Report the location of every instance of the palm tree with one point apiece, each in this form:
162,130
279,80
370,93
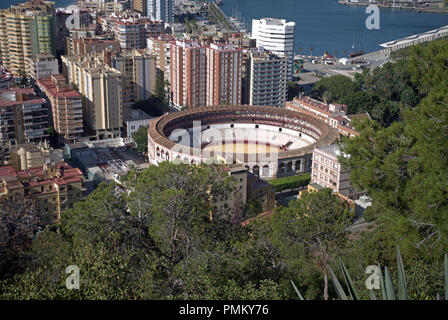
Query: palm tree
300,50
336,52
344,52
311,51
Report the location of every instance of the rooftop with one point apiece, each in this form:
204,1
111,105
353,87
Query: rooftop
40,176
276,22
56,86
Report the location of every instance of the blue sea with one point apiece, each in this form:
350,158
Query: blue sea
327,25
324,24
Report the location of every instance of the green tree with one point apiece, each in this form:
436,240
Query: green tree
19,222
172,228
333,89
317,220
140,138
252,208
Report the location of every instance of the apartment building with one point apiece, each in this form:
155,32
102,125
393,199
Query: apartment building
42,65
188,74
277,36
88,32
65,20
140,6
223,63
268,80
108,7
132,31
23,117
204,75
139,74
92,46
26,29
27,156
161,10
329,173
66,106
101,89
160,47
53,188
242,41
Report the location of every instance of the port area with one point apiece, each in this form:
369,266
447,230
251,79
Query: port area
433,6
319,67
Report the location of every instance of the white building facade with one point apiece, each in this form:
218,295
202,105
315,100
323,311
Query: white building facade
277,36
161,10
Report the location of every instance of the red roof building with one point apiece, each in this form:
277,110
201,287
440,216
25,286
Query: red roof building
52,188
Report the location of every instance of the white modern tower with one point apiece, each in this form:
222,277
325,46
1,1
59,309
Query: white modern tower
161,10
277,36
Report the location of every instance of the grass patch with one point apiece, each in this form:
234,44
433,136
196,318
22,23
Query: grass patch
292,182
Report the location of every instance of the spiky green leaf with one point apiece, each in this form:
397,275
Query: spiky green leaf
297,291
390,292
372,294
337,285
383,286
348,281
402,290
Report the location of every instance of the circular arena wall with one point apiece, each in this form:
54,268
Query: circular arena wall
270,142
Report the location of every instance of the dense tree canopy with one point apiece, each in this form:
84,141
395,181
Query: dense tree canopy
171,231
404,167
383,92
19,222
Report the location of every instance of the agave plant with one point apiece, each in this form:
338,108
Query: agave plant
387,288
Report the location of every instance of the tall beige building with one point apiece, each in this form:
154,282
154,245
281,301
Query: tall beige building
160,47
101,89
139,74
26,29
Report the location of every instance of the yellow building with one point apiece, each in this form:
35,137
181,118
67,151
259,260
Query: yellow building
101,89
52,188
27,156
26,29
